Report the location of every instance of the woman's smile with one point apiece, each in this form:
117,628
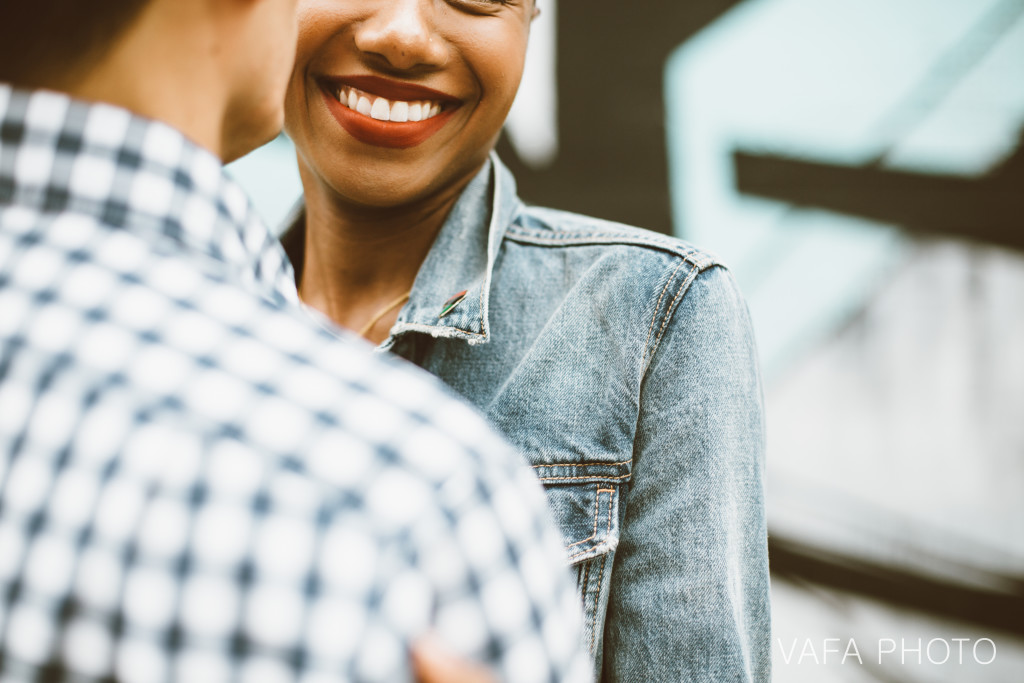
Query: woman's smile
394,103
387,113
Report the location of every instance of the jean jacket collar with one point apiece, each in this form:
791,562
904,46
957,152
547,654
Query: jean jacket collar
462,260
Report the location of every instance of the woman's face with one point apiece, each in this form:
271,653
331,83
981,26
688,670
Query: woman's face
392,101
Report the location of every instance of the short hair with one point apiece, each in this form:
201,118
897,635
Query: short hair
47,42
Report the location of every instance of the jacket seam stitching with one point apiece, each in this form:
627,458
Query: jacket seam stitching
600,545
597,510
584,464
593,476
693,255
657,307
685,286
669,311
597,238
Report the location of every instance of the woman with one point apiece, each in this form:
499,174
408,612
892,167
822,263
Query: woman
619,361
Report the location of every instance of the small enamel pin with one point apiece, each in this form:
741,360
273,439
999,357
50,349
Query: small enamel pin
450,305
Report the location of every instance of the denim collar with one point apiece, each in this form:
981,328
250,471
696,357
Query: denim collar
462,259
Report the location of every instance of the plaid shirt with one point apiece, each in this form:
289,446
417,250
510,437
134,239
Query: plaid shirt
197,481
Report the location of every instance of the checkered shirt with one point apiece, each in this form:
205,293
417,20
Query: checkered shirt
200,483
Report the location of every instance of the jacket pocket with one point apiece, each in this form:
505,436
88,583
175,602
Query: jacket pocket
588,518
588,515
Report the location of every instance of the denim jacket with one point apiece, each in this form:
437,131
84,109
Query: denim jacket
621,363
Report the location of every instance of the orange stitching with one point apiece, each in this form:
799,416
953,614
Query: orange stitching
657,306
597,509
584,552
584,464
593,476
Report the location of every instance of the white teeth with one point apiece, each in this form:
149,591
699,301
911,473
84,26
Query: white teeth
385,110
428,110
399,111
381,110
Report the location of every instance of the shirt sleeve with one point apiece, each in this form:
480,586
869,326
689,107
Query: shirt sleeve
513,604
475,562
689,598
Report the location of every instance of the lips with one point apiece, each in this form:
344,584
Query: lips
386,113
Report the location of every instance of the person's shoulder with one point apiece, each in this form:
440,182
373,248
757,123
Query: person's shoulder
665,281
557,228
647,264
224,362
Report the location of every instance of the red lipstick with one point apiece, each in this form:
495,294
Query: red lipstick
393,134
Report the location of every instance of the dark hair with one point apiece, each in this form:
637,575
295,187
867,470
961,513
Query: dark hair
47,42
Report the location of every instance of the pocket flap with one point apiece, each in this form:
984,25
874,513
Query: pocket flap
588,516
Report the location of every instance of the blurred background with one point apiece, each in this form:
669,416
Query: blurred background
859,164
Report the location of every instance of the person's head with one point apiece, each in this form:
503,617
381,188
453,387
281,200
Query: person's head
48,43
217,69
455,63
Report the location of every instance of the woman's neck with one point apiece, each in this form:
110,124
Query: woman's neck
358,259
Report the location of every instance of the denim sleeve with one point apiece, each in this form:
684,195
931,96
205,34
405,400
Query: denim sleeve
689,597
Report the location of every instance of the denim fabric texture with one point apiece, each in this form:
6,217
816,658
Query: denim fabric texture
622,363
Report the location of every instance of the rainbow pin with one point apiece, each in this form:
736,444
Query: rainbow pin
450,305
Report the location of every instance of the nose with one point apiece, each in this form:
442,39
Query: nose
403,34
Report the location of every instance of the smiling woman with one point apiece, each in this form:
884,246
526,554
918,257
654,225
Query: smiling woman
619,361
411,115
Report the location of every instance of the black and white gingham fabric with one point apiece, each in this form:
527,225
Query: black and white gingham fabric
198,483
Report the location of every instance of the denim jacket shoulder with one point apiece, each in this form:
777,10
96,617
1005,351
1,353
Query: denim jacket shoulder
636,262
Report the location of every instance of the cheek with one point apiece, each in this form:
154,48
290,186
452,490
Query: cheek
498,59
287,60
307,33
310,35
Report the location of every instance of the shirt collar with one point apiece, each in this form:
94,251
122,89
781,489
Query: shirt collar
60,155
462,260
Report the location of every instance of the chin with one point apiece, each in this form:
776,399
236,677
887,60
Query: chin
410,183
371,192
250,131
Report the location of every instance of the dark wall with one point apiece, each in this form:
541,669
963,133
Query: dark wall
611,60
